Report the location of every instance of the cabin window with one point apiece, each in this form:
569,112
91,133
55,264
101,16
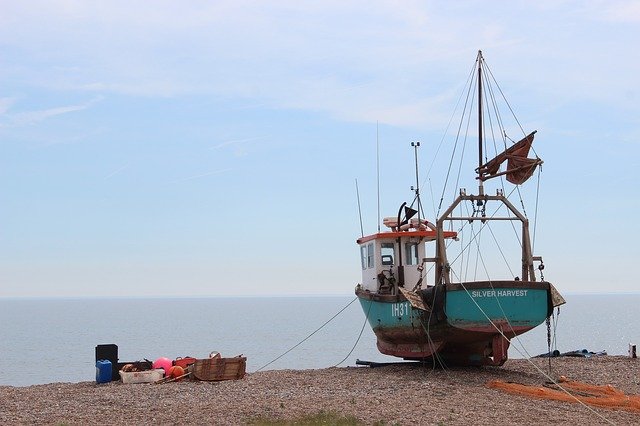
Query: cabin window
363,257
370,255
387,252
411,253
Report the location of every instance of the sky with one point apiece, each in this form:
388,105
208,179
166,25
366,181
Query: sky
211,148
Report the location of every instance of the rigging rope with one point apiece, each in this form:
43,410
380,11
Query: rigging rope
475,238
548,376
482,226
535,214
444,187
433,205
486,67
462,237
435,355
432,346
475,235
366,318
522,352
500,250
555,318
503,135
306,338
548,321
444,135
504,315
464,146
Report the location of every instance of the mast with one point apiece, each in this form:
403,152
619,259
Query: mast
378,171
480,186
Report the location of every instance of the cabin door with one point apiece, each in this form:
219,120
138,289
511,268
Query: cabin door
411,254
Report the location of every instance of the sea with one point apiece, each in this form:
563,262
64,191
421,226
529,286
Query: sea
53,340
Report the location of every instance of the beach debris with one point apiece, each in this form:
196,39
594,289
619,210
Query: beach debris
578,353
603,396
110,352
375,364
165,370
214,368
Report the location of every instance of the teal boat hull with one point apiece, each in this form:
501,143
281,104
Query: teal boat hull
468,323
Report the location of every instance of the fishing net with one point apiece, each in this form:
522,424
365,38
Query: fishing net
604,396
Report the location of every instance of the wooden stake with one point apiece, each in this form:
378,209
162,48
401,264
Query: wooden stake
171,379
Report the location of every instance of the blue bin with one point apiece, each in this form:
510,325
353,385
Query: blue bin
103,371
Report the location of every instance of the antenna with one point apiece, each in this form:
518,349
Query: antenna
378,172
415,146
359,209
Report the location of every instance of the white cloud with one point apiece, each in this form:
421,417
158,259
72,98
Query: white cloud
618,11
355,60
5,104
32,117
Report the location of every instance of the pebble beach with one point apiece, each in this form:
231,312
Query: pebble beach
399,394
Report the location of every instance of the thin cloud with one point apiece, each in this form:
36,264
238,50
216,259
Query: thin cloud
236,141
5,104
214,172
116,171
33,117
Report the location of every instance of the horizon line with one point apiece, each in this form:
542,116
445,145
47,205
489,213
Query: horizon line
242,296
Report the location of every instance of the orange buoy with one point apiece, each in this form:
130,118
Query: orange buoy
176,371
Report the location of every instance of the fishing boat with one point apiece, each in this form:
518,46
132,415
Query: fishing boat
424,303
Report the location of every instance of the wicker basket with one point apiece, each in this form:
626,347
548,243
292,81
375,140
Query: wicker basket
217,368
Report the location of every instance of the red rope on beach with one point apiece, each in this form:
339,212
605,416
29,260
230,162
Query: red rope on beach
603,396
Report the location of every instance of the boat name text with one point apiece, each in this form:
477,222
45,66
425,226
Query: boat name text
498,293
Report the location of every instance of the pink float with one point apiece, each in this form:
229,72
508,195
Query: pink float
164,363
